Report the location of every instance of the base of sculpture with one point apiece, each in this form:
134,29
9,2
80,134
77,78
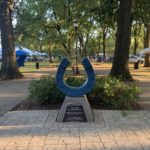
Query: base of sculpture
75,109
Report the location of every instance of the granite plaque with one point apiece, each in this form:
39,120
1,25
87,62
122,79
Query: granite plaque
74,113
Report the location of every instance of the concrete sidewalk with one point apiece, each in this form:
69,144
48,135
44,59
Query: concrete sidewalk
12,93
112,130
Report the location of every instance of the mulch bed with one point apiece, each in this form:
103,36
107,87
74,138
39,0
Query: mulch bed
28,105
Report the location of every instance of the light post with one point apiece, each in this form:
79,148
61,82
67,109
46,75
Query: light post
76,52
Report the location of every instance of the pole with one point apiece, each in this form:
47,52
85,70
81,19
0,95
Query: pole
76,50
77,69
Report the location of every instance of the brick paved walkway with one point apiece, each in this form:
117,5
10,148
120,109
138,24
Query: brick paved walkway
112,130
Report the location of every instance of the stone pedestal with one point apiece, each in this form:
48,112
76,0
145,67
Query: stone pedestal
75,109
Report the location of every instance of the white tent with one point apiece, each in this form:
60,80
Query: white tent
145,51
21,48
44,54
37,53
30,52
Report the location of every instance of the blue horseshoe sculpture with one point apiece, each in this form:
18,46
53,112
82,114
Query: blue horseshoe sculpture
75,91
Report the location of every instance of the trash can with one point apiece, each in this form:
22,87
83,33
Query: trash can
136,65
37,65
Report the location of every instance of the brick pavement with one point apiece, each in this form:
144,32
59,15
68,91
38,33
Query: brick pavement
112,130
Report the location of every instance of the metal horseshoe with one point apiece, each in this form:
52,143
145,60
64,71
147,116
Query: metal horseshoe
75,91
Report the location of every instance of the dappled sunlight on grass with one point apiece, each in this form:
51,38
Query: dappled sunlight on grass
101,69
30,71
31,66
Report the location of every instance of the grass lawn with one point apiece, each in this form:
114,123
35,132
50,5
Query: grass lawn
142,74
30,67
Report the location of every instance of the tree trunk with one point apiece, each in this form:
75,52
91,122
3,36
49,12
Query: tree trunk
50,55
120,67
135,40
135,45
147,44
135,28
9,69
104,44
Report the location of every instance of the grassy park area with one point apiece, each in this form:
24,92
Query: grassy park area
31,66
140,76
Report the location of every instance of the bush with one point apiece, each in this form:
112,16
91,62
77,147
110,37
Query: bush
75,81
108,93
45,90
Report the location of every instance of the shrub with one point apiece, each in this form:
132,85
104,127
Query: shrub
75,81
108,92
45,90
111,93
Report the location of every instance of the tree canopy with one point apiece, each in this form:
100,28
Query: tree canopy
49,26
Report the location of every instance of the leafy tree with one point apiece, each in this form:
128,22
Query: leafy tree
146,21
137,35
120,66
105,15
40,20
141,12
137,26
9,68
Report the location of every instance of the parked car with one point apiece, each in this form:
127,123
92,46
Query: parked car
110,59
134,59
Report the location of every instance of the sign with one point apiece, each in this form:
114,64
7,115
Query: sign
74,113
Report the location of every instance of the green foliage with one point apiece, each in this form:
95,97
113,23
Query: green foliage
44,90
72,81
111,93
48,25
141,10
108,93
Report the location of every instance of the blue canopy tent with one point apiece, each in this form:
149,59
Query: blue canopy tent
22,53
20,57
28,51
